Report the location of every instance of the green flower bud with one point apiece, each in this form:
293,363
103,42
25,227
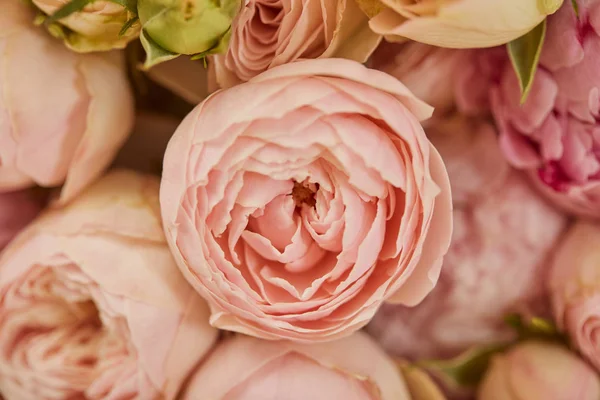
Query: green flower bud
96,26
188,26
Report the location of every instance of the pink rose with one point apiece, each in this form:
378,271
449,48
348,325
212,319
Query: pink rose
554,135
428,71
503,235
539,371
244,368
92,304
17,209
574,284
298,202
268,33
63,115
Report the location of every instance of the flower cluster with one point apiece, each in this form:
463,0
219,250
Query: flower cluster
299,199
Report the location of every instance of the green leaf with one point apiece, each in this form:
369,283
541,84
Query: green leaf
68,9
575,7
524,54
130,5
535,329
466,370
154,53
127,25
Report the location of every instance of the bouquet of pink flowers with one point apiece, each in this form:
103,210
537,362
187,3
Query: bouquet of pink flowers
299,199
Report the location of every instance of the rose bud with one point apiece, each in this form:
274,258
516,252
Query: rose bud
17,209
554,134
428,71
98,26
503,235
574,284
188,26
298,202
92,304
539,371
70,117
268,33
245,368
461,23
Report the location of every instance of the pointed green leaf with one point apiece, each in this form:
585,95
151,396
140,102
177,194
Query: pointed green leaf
68,9
524,54
127,25
154,53
575,7
466,370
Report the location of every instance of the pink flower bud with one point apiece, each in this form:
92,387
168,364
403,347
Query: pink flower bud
539,371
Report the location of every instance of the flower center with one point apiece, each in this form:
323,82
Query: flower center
304,193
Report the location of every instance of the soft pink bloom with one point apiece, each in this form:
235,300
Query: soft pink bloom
298,202
539,371
245,368
428,71
555,134
17,209
268,33
92,304
575,287
63,115
503,235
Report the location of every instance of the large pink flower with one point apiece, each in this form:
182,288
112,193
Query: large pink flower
298,202
17,209
353,368
92,304
555,134
503,235
63,115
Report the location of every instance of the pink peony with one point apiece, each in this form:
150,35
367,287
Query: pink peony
575,287
555,134
428,71
503,234
353,368
539,371
298,202
63,115
268,33
92,304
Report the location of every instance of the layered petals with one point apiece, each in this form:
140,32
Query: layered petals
298,202
268,33
554,135
92,305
